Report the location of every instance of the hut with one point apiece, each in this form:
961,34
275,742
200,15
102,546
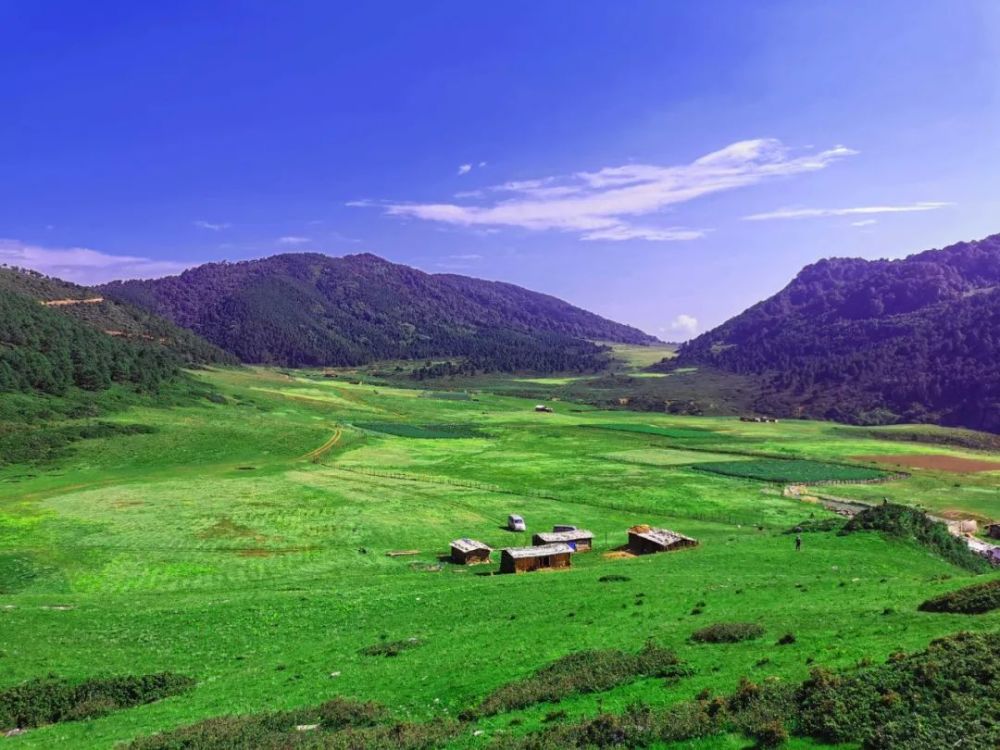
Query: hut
469,552
580,540
527,559
515,523
993,531
644,540
543,409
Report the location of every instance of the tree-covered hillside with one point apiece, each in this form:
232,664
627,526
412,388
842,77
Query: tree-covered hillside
916,339
311,309
111,317
42,350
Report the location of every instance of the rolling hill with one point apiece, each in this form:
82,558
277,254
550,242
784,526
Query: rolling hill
313,310
874,342
116,319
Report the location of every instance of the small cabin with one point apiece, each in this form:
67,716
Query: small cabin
993,531
515,523
646,540
543,408
528,559
469,552
580,540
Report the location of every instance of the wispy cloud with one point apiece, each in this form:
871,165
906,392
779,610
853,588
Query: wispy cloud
293,240
83,265
600,205
464,169
864,223
809,213
214,226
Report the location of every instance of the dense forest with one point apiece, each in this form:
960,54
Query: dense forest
118,319
874,342
311,310
42,350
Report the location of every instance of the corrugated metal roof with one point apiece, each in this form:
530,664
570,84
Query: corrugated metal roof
552,537
468,545
540,551
665,537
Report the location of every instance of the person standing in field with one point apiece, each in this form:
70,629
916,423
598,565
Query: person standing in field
798,542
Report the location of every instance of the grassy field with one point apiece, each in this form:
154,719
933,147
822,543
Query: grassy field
243,543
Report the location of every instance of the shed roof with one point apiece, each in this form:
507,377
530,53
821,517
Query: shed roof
552,537
665,537
468,545
541,550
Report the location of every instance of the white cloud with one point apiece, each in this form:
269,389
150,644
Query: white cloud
293,240
215,227
864,223
83,265
808,213
481,164
599,205
684,325
464,169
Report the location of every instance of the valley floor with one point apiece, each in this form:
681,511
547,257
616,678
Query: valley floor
244,543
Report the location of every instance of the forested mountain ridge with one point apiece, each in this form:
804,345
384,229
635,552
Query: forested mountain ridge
110,317
308,309
883,341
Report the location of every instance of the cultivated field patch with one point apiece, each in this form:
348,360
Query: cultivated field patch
425,431
933,462
801,471
680,433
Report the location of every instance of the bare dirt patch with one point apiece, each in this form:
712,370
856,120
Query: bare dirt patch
227,528
934,462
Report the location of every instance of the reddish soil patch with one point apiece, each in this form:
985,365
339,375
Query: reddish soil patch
935,462
226,528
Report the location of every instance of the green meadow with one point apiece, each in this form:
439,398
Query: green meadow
242,541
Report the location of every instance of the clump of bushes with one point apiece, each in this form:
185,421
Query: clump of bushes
391,648
582,672
904,522
613,578
815,525
787,639
339,724
728,632
971,600
51,700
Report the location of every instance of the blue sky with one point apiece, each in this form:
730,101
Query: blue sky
666,164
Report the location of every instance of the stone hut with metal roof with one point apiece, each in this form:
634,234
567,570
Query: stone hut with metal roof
580,540
527,559
645,540
469,552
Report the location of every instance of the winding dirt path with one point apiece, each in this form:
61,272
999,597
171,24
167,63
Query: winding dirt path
317,454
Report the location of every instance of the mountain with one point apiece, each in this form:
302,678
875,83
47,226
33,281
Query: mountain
874,342
110,317
307,309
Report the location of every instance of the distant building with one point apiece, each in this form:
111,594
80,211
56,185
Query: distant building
527,559
469,552
515,523
580,540
645,540
543,408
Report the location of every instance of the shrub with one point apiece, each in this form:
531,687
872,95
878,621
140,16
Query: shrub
267,731
904,522
816,525
51,699
583,672
787,639
971,600
392,648
613,578
728,632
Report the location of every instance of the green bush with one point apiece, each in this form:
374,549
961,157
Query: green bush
583,672
904,522
51,700
392,648
971,600
728,632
